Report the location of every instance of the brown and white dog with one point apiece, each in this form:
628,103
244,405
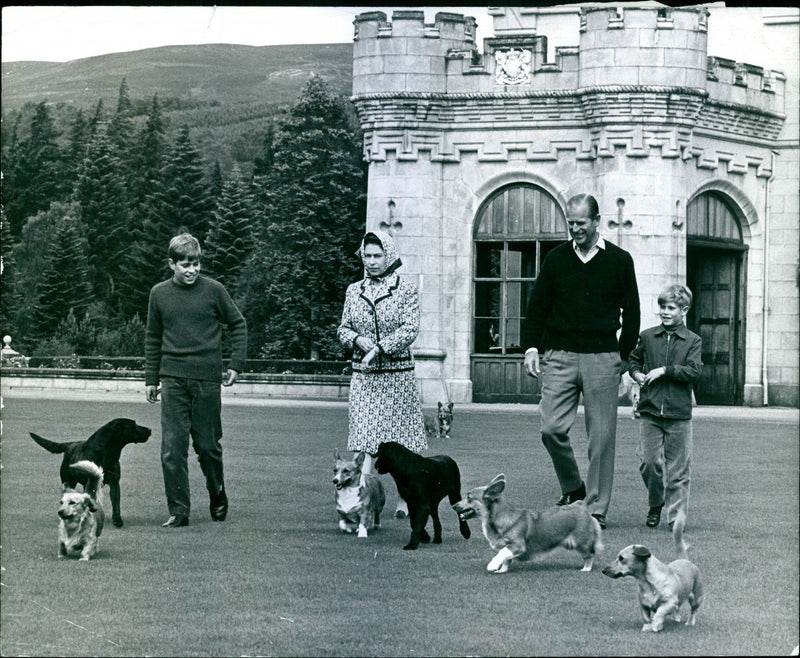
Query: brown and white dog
440,424
520,534
663,588
82,515
359,496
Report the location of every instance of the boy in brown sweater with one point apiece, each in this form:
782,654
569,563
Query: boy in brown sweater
183,351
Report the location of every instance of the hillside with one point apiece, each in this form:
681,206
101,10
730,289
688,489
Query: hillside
223,73
226,94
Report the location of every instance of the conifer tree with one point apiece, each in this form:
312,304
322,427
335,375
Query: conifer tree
179,199
230,238
76,153
9,292
64,282
314,199
120,135
102,195
150,154
35,174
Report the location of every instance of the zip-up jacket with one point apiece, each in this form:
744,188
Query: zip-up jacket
390,320
669,396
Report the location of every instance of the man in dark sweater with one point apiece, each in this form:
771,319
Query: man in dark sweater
183,350
585,292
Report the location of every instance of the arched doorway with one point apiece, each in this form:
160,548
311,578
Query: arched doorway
715,270
514,229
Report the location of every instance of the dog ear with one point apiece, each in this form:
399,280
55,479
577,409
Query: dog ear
496,487
336,454
450,407
642,552
440,406
360,459
89,503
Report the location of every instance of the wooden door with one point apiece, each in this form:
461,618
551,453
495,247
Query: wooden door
713,275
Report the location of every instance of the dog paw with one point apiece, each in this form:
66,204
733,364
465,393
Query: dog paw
410,547
362,532
117,522
425,538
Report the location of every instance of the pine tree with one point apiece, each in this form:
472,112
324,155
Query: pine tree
9,292
76,153
103,199
36,174
64,282
120,135
179,200
149,157
314,199
230,238
217,182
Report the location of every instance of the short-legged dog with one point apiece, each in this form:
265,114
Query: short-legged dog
663,588
103,448
520,534
440,424
422,482
359,496
82,516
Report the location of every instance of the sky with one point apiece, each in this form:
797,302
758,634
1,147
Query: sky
64,33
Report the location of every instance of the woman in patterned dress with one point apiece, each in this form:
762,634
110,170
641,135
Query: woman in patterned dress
379,322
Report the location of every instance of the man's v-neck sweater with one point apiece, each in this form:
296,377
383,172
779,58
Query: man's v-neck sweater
576,306
183,336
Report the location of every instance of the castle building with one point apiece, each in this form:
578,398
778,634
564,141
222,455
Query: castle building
693,158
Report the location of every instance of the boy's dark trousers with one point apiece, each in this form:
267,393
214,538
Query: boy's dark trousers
190,407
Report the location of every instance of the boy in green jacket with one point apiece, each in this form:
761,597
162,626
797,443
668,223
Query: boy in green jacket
665,363
183,351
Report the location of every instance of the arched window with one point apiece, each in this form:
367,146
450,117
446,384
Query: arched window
514,229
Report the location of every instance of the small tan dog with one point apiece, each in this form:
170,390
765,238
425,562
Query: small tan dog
359,496
663,588
520,534
82,515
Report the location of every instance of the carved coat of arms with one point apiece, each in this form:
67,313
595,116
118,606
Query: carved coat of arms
513,66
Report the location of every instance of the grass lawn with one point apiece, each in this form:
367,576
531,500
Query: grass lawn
279,578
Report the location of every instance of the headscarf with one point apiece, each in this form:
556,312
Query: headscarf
390,251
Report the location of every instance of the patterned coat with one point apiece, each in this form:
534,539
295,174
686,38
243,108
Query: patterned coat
387,312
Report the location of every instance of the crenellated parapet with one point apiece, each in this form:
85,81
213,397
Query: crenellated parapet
407,54
639,81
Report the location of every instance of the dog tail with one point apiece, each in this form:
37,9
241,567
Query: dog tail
677,533
50,446
94,481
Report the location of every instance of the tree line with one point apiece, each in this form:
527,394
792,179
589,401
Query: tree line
87,216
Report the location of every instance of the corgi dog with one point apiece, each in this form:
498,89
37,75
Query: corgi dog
663,588
359,496
520,534
440,424
82,516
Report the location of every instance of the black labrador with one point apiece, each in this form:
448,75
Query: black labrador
103,448
422,482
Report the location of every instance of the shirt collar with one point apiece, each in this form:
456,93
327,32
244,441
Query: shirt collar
600,244
680,330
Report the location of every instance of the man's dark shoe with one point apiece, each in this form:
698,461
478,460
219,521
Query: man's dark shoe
601,520
572,496
176,521
654,516
219,506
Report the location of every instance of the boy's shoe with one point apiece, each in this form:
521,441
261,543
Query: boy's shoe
219,506
176,521
654,516
572,496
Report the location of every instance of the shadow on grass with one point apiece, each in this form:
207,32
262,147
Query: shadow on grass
279,578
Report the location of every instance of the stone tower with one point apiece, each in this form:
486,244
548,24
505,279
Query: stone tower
635,113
